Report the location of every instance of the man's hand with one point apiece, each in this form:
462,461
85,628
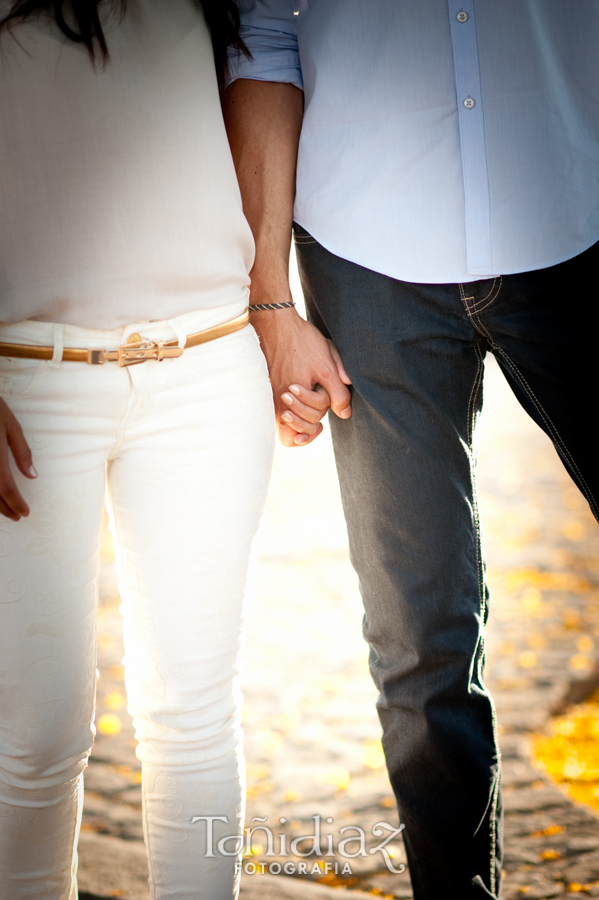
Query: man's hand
306,374
12,504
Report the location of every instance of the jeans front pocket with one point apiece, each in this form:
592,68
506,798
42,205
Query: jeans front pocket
19,376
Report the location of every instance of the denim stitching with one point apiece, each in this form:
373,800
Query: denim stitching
551,428
493,881
482,299
479,564
476,307
475,386
481,328
474,318
483,610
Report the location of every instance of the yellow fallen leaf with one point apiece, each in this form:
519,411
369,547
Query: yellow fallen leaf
116,673
547,832
337,776
527,659
114,700
535,640
571,617
585,643
373,755
108,723
573,530
579,662
531,598
271,741
546,581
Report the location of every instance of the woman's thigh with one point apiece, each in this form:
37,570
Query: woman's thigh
187,492
48,573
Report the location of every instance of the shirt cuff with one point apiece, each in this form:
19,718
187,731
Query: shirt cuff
274,58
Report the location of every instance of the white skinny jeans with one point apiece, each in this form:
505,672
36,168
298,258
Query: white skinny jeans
184,447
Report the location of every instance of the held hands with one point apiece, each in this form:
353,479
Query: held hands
12,504
306,374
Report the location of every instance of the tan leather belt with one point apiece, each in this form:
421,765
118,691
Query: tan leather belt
132,353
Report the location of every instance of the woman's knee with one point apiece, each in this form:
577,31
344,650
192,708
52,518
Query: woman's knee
197,739
49,758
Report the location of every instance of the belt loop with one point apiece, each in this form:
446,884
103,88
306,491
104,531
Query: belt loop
58,346
180,334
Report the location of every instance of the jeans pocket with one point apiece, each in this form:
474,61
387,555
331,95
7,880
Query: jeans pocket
301,236
19,376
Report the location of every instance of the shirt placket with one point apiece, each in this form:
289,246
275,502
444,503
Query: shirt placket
472,136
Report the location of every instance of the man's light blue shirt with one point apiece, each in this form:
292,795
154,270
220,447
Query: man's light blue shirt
443,141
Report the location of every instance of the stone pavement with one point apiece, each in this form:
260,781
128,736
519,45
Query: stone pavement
312,736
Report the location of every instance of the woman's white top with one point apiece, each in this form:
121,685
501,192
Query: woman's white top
118,196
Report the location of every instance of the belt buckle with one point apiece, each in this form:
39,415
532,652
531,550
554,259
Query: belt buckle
136,352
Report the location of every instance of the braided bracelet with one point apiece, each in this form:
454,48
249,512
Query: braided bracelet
259,306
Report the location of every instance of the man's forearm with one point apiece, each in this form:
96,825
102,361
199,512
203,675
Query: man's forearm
264,120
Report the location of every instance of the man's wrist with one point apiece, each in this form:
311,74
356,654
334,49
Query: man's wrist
272,325
271,307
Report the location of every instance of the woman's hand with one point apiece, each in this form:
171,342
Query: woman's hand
12,504
306,408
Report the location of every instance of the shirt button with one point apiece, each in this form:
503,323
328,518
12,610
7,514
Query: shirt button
462,17
468,102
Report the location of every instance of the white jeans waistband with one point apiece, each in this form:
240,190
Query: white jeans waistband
44,334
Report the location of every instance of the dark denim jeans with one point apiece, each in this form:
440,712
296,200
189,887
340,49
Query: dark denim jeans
407,470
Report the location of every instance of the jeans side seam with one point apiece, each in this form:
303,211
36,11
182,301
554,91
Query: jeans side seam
553,432
493,879
475,387
483,612
479,563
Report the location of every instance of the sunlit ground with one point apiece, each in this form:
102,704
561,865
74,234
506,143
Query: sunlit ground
570,753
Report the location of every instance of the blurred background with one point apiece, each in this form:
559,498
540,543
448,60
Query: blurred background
312,734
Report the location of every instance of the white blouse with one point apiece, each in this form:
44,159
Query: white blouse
118,196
